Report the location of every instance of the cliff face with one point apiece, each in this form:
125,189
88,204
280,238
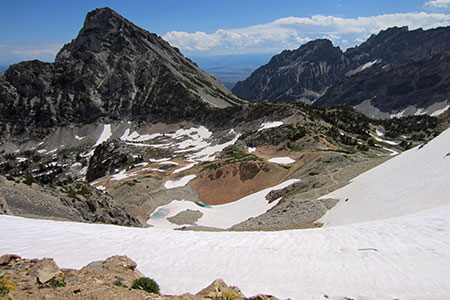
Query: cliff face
111,70
301,74
378,70
393,89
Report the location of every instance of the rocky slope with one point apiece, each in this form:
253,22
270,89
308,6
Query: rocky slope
76,202
424,83
294,75
112,70
372,77
111,278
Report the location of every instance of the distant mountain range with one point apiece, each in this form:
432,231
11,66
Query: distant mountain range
231,68
396,72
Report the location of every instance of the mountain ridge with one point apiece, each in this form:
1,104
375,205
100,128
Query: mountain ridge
388,50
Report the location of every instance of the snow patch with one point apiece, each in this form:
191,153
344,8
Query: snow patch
251,149
136,137
106,134
270,124
440,111
184,168
282,160
121,175
178,183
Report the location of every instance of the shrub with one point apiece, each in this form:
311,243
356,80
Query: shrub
6,286
57,282
146,284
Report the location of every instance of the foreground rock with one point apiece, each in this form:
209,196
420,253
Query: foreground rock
108,279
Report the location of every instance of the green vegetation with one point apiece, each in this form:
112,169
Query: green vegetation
233,154
158,153
146,284
6,286
419,127
57,282
225,296
78,189
28,180
64,152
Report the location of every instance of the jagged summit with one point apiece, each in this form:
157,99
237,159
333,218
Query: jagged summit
112,70
106,30
397,70
295,74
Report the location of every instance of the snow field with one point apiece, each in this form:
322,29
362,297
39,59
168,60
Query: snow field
417,179
220,216
405,258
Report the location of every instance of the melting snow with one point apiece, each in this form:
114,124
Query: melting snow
79,138
169,163
106,134
440,111
121,175
379,133
282,160
142,164
269,124
136,137
178,183
225,215
159,160
184,168
384,141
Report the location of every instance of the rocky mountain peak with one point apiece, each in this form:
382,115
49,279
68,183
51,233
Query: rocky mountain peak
293,75
104,30
112,70
387,34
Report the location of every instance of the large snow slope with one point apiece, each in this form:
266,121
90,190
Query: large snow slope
416,180
404,257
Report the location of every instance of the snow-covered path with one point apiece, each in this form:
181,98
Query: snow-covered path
405,258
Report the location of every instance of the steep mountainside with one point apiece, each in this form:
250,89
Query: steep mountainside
112,70
293,75
368,77
395,88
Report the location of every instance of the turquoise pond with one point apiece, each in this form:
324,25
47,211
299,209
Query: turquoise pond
159,214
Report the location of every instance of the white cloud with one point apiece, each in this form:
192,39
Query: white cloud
291,32
438,4
12,53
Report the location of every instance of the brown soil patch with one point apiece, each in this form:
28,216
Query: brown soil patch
232,182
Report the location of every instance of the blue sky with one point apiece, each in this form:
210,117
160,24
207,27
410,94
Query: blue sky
37,29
